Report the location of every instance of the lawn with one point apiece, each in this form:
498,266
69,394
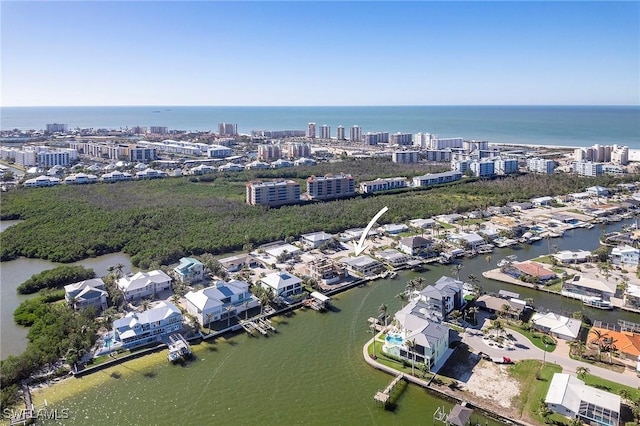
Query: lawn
534,382
392,363
534,337
609,386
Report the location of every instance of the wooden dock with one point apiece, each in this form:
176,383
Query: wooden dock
28,415
260,325
382,397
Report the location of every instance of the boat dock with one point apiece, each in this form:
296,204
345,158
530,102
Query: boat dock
28,414
382,397
178,347
261,325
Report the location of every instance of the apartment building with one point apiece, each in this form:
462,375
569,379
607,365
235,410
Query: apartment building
330,186
404,156
274,193
541,165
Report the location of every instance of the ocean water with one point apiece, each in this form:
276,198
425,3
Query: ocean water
540,125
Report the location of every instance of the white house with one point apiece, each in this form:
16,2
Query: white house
557,325
471,239
625,255
315,239
189,270
144,284
570,397
362,265
152,325
87,293
568,256
393,257
282,283
220,301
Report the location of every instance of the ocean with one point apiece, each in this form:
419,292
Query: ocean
578,126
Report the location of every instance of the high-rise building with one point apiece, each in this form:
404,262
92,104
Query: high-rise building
340,134
506,166
422,140
482,168
325,132
311,130
298,150
442,143
330,186
587,168
227,129
541,165
56,128
401,139
159,130
275,193
269,152
404,156
355,134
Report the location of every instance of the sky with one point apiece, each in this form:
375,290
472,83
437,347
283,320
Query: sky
258,53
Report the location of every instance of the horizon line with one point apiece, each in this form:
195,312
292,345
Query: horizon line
320,106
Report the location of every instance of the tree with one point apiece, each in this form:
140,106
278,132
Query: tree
473,311
577,347
229,309
456,270
209,316
411,345
119,268
582,372
246,309
403,298
598,335
488,259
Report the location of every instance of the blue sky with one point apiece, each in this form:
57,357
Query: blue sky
320,53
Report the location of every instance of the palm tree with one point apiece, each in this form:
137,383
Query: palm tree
578,347
229,308
403,298
119,268
420,283
473,311
382,310
208,317
598,341
456,270
497,327
246,309
582,372
411,344
411,286
488,259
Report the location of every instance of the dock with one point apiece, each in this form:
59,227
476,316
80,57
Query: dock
178,348
28,415
382,397
261,325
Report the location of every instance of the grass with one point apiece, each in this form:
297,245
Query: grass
609,386
534,382
534,337
382,358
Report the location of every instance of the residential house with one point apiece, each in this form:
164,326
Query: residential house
493,304
570,397
598,191
393,257
413,246
236,263
568,256
469,240
315,239
627,342
625,255
531,270
363,265
584,288
222,300
557,325
189,270
631,296
282,283
393,228
152,325
430,338
326,270
144,284
87,293
542,201
443,297
423,223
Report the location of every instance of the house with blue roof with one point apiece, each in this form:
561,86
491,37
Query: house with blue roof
189,270
87,293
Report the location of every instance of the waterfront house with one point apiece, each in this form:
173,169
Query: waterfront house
625,255
189,270
282,283
443,297
570,397
556,325
493,304
584,288
326,270
144,284
393,257
532,270
220,301
152,325
414,245
315,239
568,256
430,339
631,296
363,265
87,293
468,240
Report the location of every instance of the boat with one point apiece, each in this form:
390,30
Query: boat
179,348
597,302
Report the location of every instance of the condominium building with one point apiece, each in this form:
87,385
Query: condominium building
139,154
442,143
541,165
438,155
330,186
355,134
460,165
473,145
227,129
340,134
482,168
298,150
436,178
159,130
375,138
269,152
603,154
404,156
56,128
506,166
587,168
311,130
274,193
383,184
325,132
401,139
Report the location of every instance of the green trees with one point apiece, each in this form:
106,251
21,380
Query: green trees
55,278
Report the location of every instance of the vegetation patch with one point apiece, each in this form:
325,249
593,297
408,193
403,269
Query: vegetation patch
55,278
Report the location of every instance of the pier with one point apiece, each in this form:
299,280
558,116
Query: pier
261,325
382,397
28,415
178,347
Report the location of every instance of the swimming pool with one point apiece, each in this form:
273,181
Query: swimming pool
394,338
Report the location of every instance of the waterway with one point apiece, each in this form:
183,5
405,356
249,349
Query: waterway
310,372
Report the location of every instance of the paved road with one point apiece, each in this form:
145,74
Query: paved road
524,349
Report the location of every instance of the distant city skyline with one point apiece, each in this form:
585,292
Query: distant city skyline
319,53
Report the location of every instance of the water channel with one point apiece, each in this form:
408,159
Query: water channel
310,372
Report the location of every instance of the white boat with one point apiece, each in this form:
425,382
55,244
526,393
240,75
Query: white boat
596,302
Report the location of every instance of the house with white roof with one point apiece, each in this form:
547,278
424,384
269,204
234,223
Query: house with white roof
423,223
220,301
393,229
430,337
471,239
41,181
277,250
557,325
568,256
315,239
144,284
393,257
585,288
87,293
363,265
625,255
152,325
189,270
570,397
282,283
236,263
